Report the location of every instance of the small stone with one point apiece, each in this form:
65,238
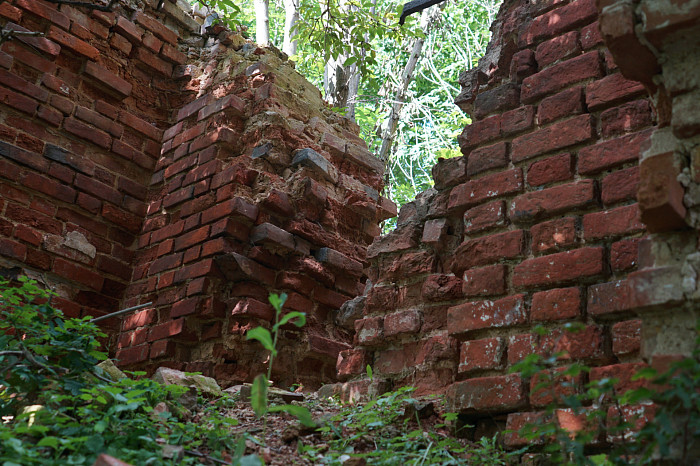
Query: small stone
111,370
173,452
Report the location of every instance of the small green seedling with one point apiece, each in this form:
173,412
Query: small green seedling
258,392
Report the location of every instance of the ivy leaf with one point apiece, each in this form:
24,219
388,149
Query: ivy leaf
300,322
263,336
300,412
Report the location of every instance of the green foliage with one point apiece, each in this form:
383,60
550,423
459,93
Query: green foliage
672,398
380,433
259,390
58,411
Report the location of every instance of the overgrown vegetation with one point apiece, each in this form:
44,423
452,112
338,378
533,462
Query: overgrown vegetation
59,408
657,421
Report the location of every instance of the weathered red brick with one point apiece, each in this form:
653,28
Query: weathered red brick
609,154
46,11
628,117
485,394
486,158
140,125
26,56
564,46
78,273
484,217
562,19
132,355
541,204
586,343
626,337
551,386
108,80
555,137
481,354
557,304
609,298
138,319
441,287
550,170
253,308
522,65
369,330
615,222
402,322
18,101
12,249
517,120
660,193
73,43
129,30
485,281
610,90
12,80
476,191
49,187
623,373
564,104
620,186
480,132
156,27
624,254
559,268
553,235
406,265
351,362
10,12
496,99
488,249
476,315
561,75
520,346
590,36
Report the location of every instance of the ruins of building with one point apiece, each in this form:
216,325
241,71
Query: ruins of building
144,162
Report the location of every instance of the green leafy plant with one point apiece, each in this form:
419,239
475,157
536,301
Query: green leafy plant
268,339
58,408
658,421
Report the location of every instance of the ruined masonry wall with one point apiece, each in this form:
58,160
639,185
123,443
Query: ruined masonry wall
142,161
536,224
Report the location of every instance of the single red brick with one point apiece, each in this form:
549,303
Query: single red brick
12,249
615,222
496,100
586,343
660,193
486,158
517,120
369,330
139,319
628,117
550,170
132,355
173,328
10,12
88,133
609,154
610,90
540,204
626,337
12,80
609,298
522,422
487,250
590,36
522,65
559,268
401,323
620,186
557,304
555,49
484,394
140,125
129,30
555,137
408,264
153,62
476,315
173,55
623,373
485,281
553,235
28,57
441,287
46,11
157,27
561,75
351,362
624,254
551,386
50,187
97,189
562,19
73,43
108,80
480,132
484,217
78,273
481,354
18,101
564,104
395,361
476,191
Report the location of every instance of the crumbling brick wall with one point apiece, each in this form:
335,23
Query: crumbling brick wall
536,224
143,161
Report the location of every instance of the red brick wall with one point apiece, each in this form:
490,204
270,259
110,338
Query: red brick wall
128,176
536,224
80,135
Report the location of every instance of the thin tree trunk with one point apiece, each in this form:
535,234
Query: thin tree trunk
428,19
262,22
291,16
